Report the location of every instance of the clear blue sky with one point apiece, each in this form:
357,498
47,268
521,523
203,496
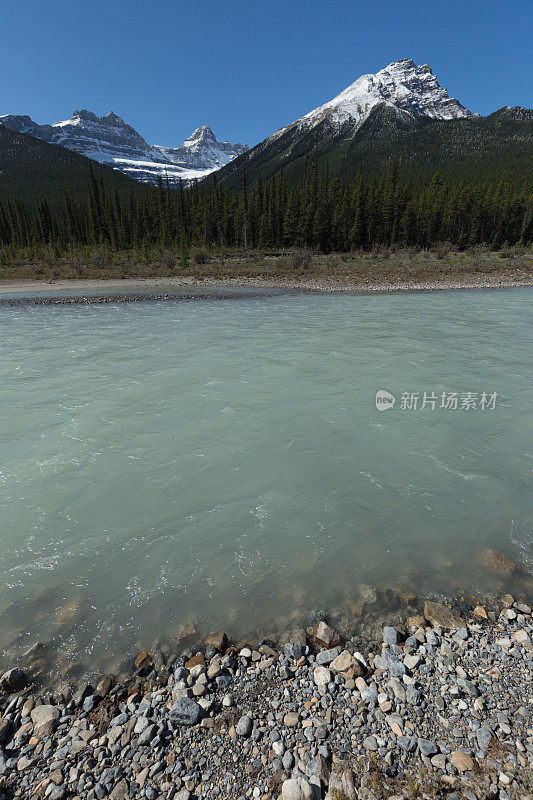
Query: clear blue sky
247,68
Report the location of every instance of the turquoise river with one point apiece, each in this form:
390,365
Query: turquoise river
220,462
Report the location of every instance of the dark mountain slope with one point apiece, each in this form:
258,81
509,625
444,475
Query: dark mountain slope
31,169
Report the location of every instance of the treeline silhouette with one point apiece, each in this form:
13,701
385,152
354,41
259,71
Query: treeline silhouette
317,211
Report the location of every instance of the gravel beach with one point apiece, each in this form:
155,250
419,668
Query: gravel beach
439,708
474,280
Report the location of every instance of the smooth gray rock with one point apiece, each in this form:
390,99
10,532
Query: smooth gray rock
287,761
406,744
468,687
412,696
370,695
325,657
44,714
427,747
147,735
244,726
90,702
185,711
369,743
296,789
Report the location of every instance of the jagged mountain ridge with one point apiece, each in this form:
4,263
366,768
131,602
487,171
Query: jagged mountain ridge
110,140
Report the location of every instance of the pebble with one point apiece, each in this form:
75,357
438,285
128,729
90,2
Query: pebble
244,726
321,676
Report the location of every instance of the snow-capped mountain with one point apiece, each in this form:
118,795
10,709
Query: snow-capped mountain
403,85
391,113
112,141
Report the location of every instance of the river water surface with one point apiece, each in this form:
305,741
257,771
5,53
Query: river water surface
222,462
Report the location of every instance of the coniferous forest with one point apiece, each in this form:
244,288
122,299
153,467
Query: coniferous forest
316,211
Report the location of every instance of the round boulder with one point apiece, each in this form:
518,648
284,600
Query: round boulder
185,712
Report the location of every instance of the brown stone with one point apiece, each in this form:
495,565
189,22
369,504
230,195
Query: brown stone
480,612
291,719
104,685
43,716
497,562
323,771
13,680
197,660
416,621
343,662
395,728
121,791
440,615
368,593
322,635
267,651
358,669
407,596
142,659
449,779
56,777
461,761
218,640
44,730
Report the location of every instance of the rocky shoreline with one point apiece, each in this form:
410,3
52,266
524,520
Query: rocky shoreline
441,707
111,299
330,283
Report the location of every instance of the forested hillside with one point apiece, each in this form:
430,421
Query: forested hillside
316,211
471,148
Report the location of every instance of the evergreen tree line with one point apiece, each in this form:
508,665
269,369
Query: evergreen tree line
319,212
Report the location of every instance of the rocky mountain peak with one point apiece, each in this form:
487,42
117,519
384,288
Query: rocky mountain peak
114,119
201,134
402,84
85,115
